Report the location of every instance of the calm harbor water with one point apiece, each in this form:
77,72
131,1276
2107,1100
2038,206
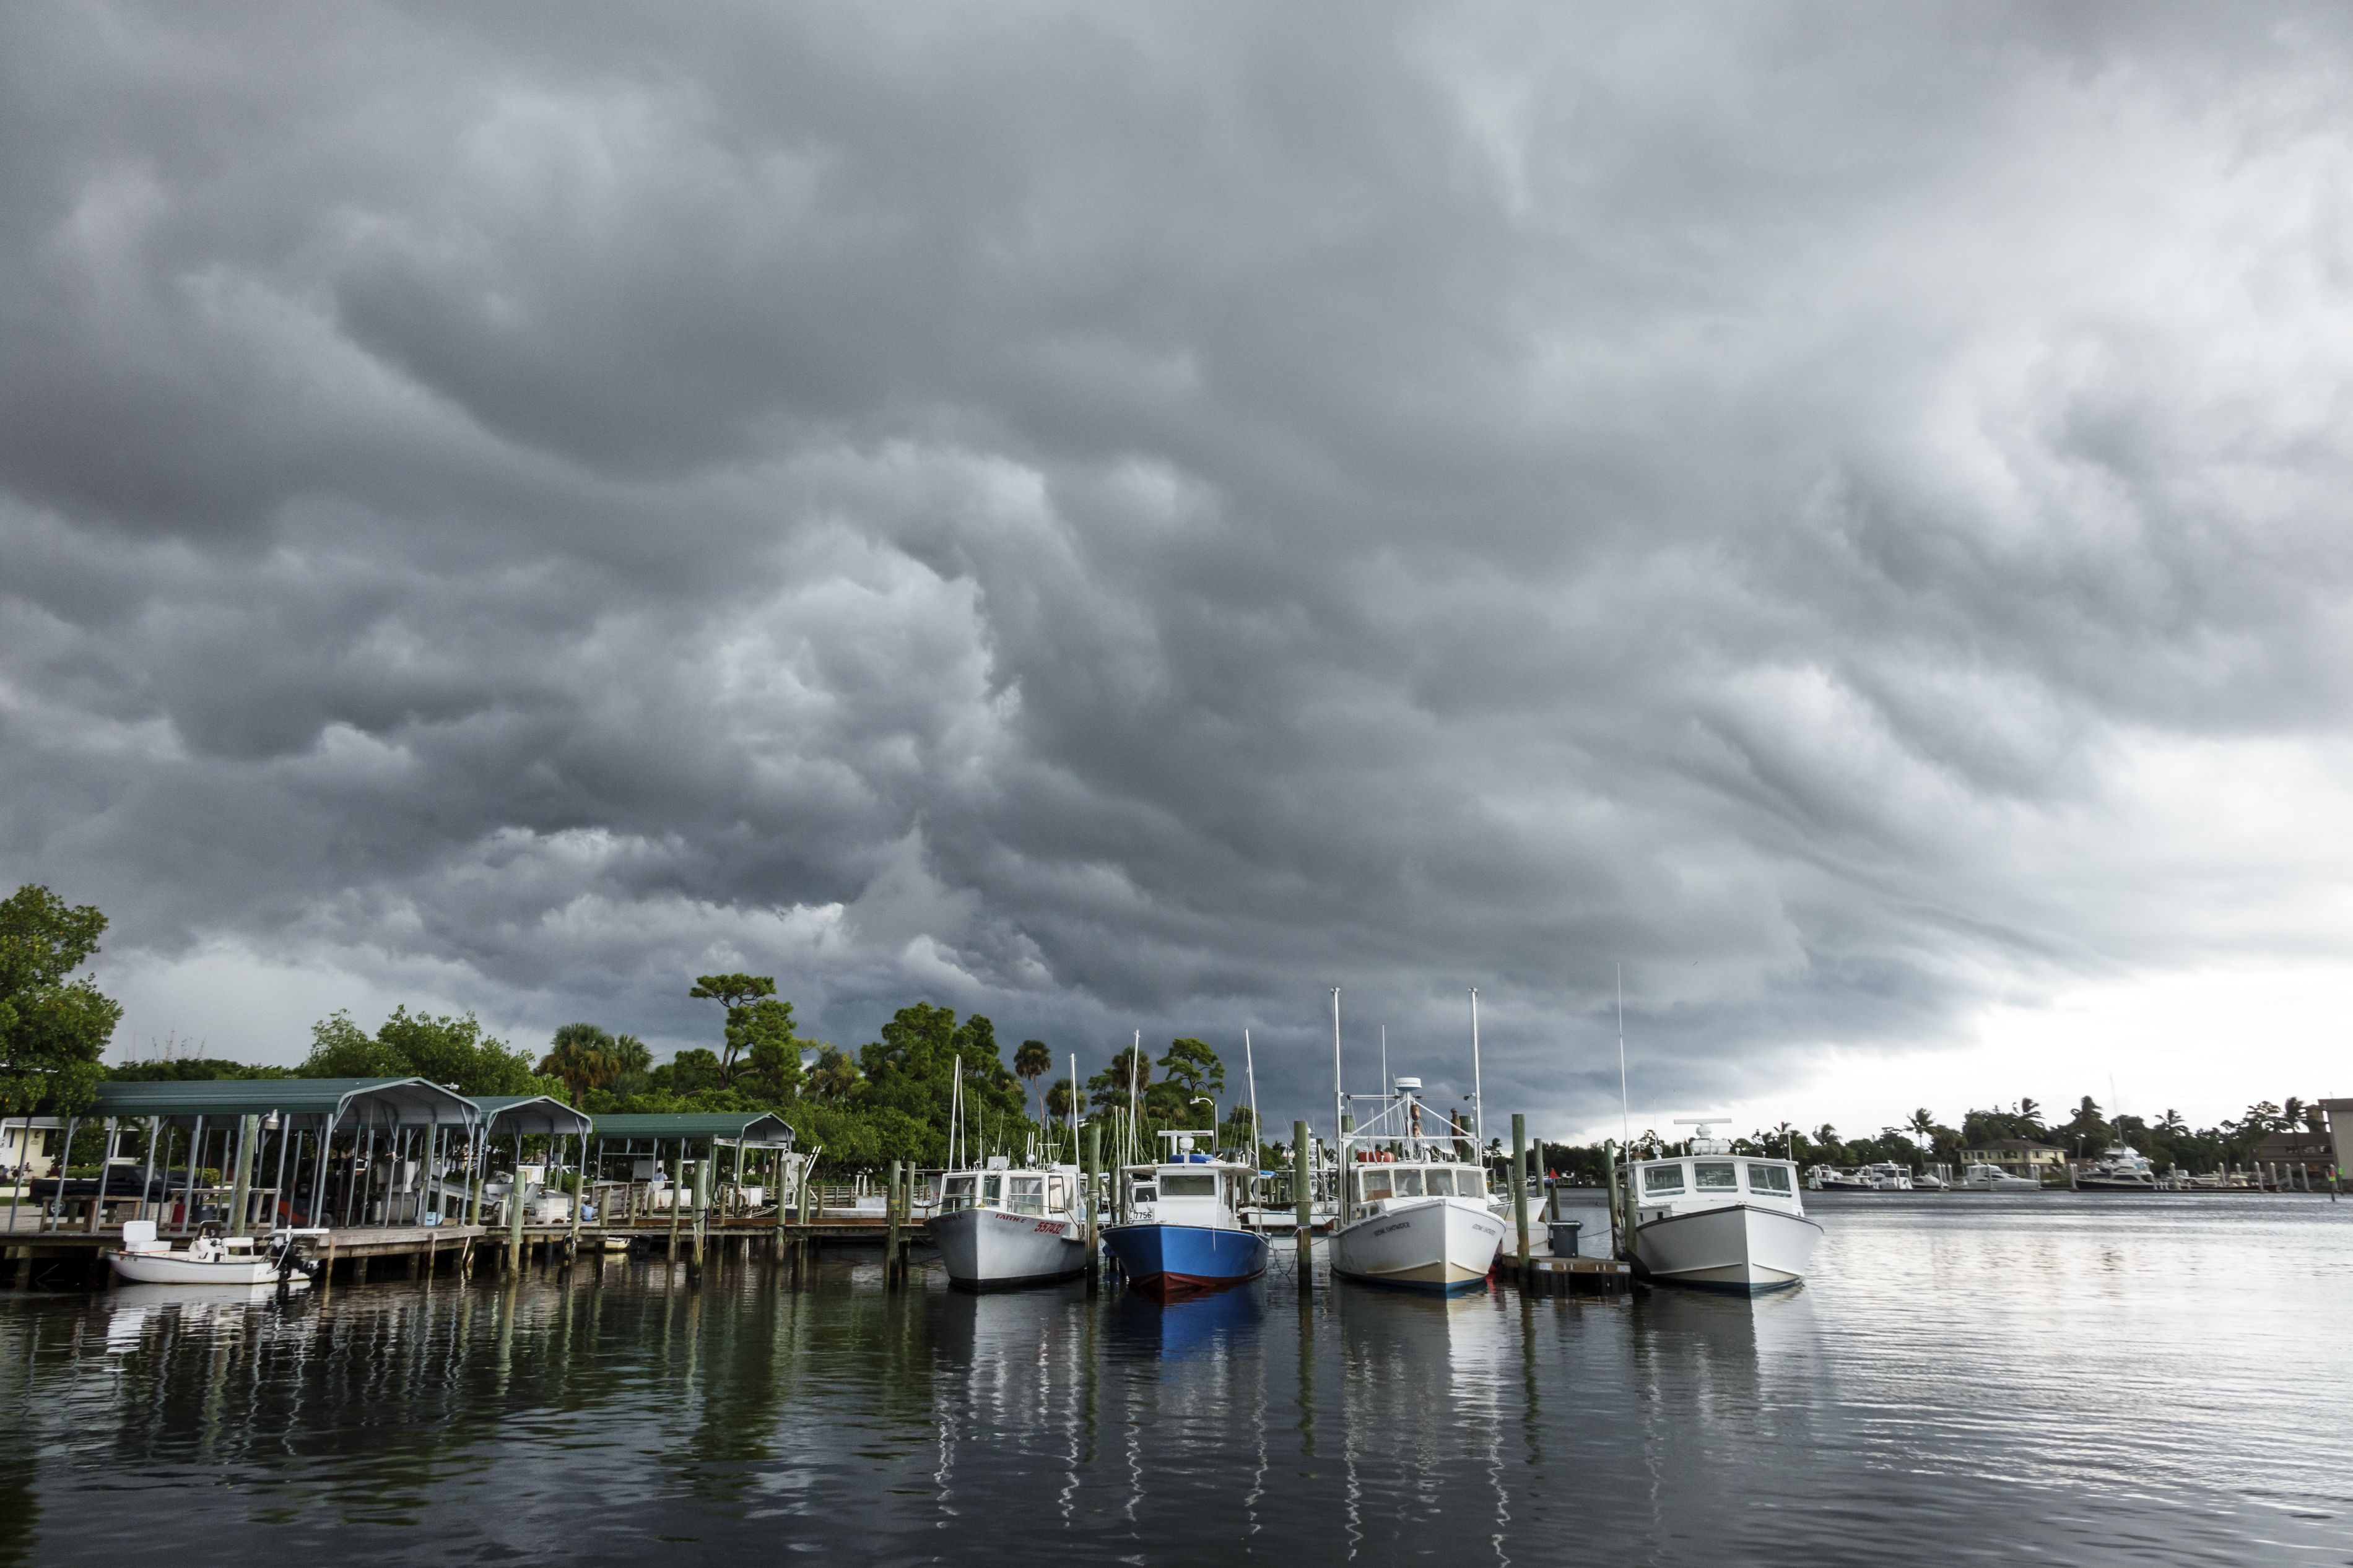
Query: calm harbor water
1965,1379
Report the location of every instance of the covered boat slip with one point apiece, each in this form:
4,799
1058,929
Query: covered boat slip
364,1160
707,1168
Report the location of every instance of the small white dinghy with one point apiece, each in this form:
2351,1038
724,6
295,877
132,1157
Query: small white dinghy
210,1259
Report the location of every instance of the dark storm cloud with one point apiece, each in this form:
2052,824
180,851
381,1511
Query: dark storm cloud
1129,516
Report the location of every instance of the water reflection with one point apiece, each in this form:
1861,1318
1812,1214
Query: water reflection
1913,1392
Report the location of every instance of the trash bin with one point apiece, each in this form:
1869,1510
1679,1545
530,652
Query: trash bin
1562,1234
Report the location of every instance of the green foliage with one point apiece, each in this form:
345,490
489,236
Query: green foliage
450,1051
1193,1068
1032,1062
583,1056
1109,1090
192,1069
53,1030
754,1016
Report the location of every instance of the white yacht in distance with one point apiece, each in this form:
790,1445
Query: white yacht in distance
1413,1215
2123,1169
1709,1217
997,1227
1994,1179
1885,1177
1831,1179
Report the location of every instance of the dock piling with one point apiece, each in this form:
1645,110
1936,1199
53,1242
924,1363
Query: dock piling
1093,1162
1520,1184
1302,1191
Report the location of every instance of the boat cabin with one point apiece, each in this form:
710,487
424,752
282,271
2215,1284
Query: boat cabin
1376,1185
1696,1182
1033,1192
1189,1189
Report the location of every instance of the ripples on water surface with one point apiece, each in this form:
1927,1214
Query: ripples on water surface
1965,1379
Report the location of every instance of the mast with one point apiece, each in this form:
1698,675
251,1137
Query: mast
956,1114
1385,1061
1625,1110
1249,1070
1339,1098
1074,1108
1478,1096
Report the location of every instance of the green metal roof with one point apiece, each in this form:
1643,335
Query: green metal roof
411,1101
749,1126
530,1113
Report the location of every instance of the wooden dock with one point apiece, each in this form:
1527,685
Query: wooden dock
1549,1276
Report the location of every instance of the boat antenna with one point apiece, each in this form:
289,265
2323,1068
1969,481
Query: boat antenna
1250,1071
1478,1096
1385,1060
1625,1108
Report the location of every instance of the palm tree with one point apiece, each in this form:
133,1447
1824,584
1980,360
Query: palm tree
1064,1100
2171,1121
583,1056
1784,1132
1922,1126
1034,1061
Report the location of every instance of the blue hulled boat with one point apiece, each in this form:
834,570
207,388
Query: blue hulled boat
1184,1231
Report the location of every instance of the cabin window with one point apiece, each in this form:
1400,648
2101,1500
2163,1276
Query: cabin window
1440,1184
1187,1186
1145,1192
1408,1183
1376,1185
1469,1183
1717,1176
992,1190
1768,1178
957,1193
1663,1178
1029,1196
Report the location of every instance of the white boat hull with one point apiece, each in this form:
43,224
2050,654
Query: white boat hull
1735,1247
179,1269
988,1249
1438,1244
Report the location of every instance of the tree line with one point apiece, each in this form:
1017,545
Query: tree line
1922,1140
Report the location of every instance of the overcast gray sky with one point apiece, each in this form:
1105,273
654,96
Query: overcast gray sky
1126,517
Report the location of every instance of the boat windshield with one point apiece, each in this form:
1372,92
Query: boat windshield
1769,1179
1029,1196
956,1195
1408,1183
992,1190
1663,1178
1469,1184
1175,1185
1376,1185
1715,1176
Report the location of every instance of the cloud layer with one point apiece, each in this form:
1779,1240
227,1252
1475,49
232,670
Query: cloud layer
1128,519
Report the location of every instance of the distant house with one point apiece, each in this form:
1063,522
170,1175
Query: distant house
2315,1151
27,1147
2019,1157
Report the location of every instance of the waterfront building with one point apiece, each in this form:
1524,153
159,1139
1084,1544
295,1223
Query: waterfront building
2019,1157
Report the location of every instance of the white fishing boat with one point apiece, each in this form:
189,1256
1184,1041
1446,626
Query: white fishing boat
1414,1215
997,1227
1710,1218
2123,1169
210,1259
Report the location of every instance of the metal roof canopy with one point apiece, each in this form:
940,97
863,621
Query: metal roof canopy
505,1114
758,1128
343,1101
